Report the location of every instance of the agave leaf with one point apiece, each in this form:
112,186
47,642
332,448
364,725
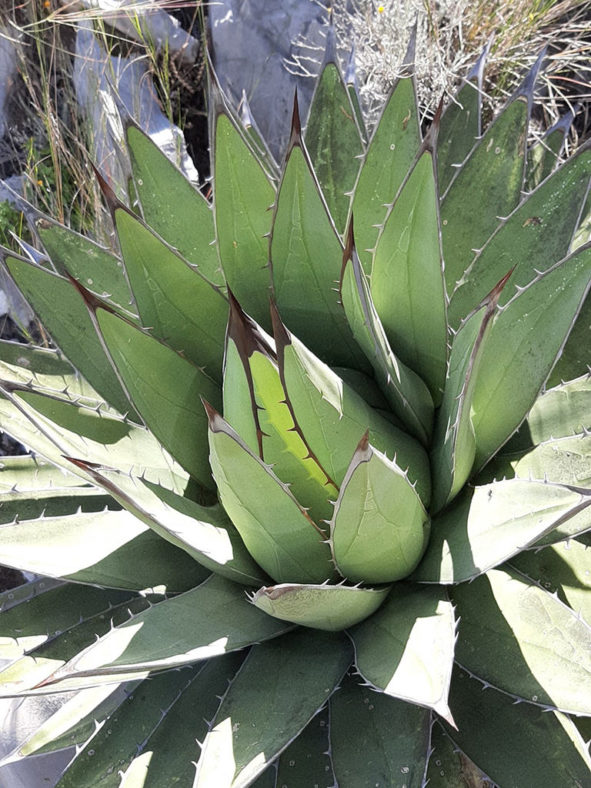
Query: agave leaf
185,723
407,284
305,759
405,391
125,554
73,723
542,156
562,569
174,301
38,612
522,640
525,340
334,418
26,473
251,729
583,232
530,240
406,649
172,206
208,621
564,461
332,136
380,528
165,388
204,532
63,312
94,266
575,358
58,429
17,506
269,425
306,255
392,735
243,197
328,607
41,369
460,124
489,524
560,412
276,530
25,674
390,154
515,744
351,85
449,767
252,135
454,442
494,168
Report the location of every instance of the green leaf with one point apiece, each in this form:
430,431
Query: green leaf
495,168
94,266
62,310
328,607
530,240
204,532
543,155
333,417
391,152
20,505
489,524
306,255
575,358
407,284
449,767
380,528
332,137
406,649
251,377
563,461
459,127
243,197
520,639
276,530
393,737
38,612
524,342
57,429
454,442
308,757
30,673
172,206
209,620
27,473
406,393
165,389
563,569
516,744
125,554
175,302
73,723
250,728
559,412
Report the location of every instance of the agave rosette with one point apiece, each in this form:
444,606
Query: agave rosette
342,487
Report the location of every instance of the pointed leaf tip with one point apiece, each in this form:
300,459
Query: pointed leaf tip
111,198
296,125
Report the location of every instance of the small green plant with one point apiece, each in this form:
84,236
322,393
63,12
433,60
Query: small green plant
372,568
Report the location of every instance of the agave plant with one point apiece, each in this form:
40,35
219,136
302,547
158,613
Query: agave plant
309,506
